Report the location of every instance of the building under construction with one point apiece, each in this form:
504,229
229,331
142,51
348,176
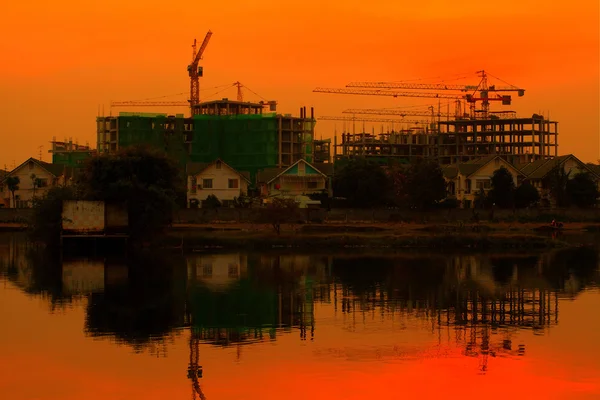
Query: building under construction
69,153
461,137
521,140
247,136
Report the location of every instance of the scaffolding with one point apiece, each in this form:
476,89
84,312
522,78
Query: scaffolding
242,134
69,153
322,151
523,140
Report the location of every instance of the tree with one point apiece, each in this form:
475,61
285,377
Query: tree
425,184
35,183
145,179
556,183
582,190
398,183
12,183
280,211
526,195
503,188
481,200
362,182
211,202
242,201
46,222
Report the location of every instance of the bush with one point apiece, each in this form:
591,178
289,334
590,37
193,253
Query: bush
526,195
281,211
46,221
211,202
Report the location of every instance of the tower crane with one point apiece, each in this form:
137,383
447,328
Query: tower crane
482,88
240,94
404,113
196,71
379,92
367,119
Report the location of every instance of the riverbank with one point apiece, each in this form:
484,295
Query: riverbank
374,236
227,236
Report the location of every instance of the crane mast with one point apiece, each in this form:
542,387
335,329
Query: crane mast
195,71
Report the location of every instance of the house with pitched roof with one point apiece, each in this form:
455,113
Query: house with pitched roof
300,178
537,171
465,180
35,179
216,178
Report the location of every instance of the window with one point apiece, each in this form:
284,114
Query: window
207,271
483,184
233,271
312,185
207,183
218,164
234,183
193,184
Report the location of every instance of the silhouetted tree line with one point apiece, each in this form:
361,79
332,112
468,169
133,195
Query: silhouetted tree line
146,181
421,185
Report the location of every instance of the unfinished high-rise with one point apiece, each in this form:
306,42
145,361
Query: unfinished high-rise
520,140
247,136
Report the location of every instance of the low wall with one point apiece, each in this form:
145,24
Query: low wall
340,215
15,214
385,215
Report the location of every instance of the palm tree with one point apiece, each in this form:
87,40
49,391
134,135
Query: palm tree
556,183
34,183
12,182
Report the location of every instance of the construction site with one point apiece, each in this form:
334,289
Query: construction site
471,131
251,136
248,136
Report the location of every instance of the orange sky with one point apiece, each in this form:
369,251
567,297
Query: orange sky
63,59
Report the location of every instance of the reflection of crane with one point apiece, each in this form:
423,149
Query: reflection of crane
195,71
486,348
195,370
482,88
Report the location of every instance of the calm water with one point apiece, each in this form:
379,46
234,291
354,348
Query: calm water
285,326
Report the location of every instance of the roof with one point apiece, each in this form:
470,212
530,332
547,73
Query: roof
470,167
3,173
594,167
325,168
54,169
450,171
540,170
267,175
194,168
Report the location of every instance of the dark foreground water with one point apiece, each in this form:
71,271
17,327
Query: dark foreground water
285,326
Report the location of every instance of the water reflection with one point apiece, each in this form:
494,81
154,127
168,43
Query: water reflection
476,302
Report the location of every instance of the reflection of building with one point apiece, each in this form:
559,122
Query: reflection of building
217,269
82,276
271,293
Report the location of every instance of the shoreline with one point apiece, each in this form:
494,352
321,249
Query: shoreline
370,236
